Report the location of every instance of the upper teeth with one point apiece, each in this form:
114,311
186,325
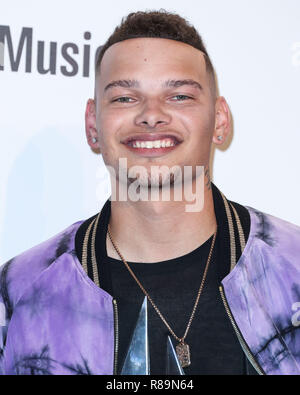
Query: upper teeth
153,144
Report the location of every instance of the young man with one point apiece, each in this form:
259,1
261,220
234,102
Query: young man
221,281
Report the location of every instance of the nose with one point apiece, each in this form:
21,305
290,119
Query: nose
152,116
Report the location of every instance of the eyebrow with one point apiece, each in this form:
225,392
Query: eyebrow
122,84
179,83
167,84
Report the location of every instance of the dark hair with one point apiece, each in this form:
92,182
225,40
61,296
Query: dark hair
157,24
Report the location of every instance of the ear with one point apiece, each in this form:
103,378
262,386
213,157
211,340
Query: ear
222,121
90,125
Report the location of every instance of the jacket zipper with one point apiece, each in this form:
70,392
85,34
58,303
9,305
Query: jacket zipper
239,335
116,335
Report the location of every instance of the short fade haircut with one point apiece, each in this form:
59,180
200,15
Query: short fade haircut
158,24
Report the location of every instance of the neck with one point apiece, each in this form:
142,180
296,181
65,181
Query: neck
154,231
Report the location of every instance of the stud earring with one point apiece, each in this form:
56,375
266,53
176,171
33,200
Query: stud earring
220,138
94,140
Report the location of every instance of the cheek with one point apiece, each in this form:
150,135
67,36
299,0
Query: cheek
111,123
199,122
199,125
108,127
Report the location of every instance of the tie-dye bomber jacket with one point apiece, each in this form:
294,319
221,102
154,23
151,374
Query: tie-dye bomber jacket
54,320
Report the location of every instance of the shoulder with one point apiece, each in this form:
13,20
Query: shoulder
263,291
273,247
273,231
21,271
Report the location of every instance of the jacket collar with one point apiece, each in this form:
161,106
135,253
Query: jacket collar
233,221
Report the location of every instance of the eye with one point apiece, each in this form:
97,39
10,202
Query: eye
123,99
181,97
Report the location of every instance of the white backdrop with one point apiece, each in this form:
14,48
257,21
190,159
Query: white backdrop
49,178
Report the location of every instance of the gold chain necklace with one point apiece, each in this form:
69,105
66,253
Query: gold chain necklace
182,349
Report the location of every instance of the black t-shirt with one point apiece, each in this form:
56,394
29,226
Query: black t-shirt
173,286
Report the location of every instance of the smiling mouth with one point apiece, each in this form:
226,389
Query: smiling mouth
148,144
152,144
154,147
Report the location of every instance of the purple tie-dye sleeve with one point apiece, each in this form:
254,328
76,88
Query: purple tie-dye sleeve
4,319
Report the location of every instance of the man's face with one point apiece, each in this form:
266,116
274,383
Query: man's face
154,104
